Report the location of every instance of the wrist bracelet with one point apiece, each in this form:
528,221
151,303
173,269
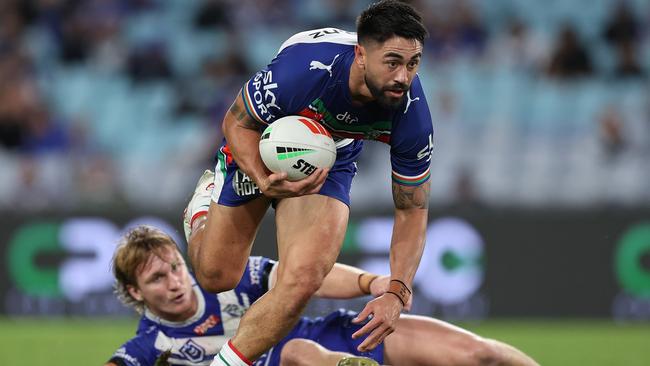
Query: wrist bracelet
364,282
399,289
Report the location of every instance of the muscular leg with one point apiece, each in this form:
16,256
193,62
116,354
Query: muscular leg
304,352
220,245
310,231
423,341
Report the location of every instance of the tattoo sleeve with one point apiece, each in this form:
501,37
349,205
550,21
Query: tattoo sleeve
242,117
411,196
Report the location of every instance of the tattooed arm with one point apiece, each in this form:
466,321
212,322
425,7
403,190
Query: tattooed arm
411,204
411,209
243,135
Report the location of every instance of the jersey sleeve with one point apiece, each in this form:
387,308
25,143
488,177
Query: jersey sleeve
138,351
412,139
255,281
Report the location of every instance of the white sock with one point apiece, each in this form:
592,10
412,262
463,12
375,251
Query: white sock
230,356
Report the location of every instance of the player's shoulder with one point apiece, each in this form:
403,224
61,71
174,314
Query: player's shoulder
317,49
138,350
412,124
322,37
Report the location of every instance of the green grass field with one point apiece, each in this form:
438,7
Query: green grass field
576,343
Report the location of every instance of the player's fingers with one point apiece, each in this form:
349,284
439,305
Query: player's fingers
319,183
363,315
317,179
381,332
369,327
305,185
373,339
277,177
380,340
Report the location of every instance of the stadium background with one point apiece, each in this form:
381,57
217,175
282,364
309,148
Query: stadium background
540,206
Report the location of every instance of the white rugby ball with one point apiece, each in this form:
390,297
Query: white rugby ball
297,145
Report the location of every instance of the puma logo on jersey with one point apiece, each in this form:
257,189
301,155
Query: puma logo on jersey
409,101
317,65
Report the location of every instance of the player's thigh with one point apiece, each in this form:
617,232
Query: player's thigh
419,340
310,232
230,231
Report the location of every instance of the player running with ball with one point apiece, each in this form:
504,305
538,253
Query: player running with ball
370,76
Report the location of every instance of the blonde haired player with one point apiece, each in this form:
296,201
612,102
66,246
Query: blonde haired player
183,324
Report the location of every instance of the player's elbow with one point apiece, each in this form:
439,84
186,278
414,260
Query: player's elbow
216,281
483,352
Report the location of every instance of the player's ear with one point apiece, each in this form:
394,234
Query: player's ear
360,56
134,292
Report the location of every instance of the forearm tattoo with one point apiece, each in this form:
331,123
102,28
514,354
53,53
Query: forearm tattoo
411,197
242,117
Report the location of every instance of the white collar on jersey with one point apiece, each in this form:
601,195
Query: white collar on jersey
200,310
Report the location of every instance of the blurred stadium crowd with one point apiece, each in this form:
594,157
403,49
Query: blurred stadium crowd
117,103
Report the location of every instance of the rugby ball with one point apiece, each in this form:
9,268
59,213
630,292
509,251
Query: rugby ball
297,145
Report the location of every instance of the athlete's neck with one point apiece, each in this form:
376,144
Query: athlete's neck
359,91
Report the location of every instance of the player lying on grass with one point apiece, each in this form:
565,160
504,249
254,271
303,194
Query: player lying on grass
182,324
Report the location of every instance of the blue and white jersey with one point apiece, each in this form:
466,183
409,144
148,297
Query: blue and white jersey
197,340
309,77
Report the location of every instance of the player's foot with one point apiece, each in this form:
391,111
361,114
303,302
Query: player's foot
200,202
357,361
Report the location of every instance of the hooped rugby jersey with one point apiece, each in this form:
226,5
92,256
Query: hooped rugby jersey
196,341
309,77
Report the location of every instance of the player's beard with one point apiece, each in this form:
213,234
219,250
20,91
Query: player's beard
379,93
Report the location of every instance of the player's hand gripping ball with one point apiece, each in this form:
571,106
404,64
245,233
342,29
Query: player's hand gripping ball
297,145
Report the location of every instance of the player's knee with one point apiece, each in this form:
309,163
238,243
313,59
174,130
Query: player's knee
292,353
482,352
216,281
301,284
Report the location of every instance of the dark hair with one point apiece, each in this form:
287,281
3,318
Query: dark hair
387,18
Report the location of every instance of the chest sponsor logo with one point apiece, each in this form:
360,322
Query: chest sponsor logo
244,185
346,117
264,95
317,65
193,351
210,322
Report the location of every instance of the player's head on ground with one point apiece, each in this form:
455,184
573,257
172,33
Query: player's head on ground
150,272
390,36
